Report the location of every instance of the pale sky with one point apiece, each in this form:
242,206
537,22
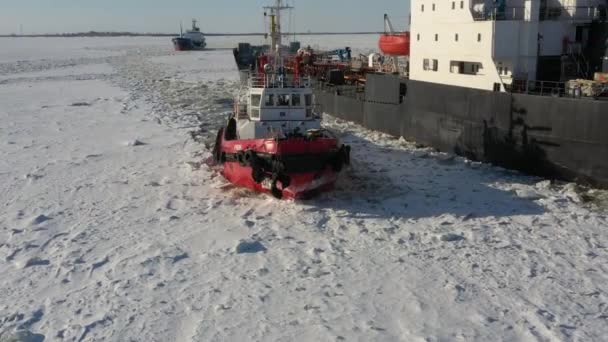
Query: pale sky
163,16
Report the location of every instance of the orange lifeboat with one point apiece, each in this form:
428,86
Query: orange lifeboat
397,44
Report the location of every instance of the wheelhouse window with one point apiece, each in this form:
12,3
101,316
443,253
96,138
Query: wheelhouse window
255,100
255,113
296,100
283,100
269,100
308,100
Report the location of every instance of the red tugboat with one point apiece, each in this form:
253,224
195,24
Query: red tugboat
274,142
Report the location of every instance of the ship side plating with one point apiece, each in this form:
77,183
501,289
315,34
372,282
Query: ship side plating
489,80
551,137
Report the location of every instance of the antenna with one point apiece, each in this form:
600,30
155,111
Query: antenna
292,22
275,23
181,29
295,24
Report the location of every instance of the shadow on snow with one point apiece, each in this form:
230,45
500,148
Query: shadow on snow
385,182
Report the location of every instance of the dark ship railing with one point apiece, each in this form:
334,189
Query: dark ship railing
567,13
542,88
279,81
558,89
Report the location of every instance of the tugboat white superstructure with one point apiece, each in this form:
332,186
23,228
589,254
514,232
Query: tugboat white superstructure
274,141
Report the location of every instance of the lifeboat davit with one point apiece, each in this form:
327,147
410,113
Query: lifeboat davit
397,44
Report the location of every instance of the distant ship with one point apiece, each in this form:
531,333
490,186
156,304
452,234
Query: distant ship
191,40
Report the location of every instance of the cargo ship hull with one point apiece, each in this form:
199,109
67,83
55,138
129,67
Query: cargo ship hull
182,44
553,137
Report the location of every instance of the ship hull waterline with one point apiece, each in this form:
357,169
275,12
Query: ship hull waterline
185,44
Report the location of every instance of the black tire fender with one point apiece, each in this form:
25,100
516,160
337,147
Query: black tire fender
257,172
217,148
276,192
240,157
346,154
248,157
285,181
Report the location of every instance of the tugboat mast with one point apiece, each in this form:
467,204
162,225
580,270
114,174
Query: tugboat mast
275,26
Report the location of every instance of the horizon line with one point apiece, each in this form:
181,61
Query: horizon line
157,34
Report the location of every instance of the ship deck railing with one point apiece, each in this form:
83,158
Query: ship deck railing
351,91
279,81
575,13
551,88
557,13
542,88
509,13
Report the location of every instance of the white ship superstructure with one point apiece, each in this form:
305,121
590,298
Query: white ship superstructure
196,36
487,44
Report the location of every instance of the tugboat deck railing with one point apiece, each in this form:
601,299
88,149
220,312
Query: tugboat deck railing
279,81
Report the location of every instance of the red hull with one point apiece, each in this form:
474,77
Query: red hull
302,185
395,44
287,168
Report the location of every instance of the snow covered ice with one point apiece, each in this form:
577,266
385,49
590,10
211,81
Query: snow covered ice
103,238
